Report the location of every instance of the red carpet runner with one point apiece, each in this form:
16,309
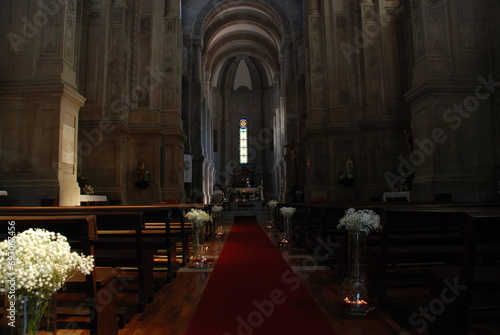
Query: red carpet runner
252,290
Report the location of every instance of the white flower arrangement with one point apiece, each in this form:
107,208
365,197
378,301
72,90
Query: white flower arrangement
88,190
272,204
217,209
363,220
42,263
198,217
287,211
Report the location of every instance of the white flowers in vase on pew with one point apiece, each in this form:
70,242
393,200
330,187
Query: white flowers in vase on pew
40,262
272,204
363,220
287,211
217,209
198,217
34,265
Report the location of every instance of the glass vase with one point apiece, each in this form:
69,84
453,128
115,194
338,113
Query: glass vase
198,258
355,294
285,237
288,229
270,224
33,314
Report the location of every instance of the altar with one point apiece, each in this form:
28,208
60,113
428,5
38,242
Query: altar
88,200
3,194
249,193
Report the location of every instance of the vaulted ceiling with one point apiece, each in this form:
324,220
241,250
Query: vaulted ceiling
242,35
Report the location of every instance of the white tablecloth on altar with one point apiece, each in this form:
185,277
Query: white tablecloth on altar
3,193
93,198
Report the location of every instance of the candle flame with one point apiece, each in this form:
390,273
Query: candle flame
355,302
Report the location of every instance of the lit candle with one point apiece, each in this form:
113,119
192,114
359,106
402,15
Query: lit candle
355,302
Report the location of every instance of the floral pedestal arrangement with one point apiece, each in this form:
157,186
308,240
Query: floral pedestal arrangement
272,210
34,265
198,218
355,295
198,257
216,213
286,237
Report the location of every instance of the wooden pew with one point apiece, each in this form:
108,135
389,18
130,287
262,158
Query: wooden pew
411,240
430,254
99,287
120,244
471,288
152,213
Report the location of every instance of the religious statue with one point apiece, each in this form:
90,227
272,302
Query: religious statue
346,176
142,176
349,167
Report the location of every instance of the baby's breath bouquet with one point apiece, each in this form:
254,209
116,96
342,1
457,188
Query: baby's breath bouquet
363,220
287,211
354,293
37,263
272,204
217,209
198,217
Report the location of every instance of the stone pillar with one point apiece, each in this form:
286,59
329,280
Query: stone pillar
40,102
450,101
105,142
174,137
317,112
195,118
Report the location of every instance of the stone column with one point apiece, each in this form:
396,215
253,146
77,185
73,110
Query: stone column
174,137
317,108
195,120
40,101
450,101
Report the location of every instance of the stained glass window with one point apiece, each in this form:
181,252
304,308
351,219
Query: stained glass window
243,124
